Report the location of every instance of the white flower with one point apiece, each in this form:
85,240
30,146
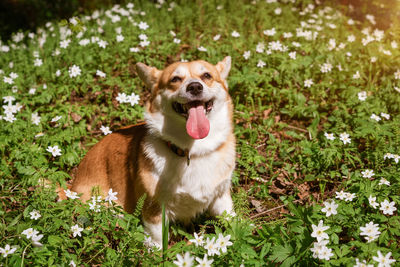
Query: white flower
319,231
372,202
105,130
32,91
72,263
8,80
133,99
292,55
35,215
35,118
8,99
270,32
84,42
260,47
261,64
74,71
368,173
54,150
375,117
184,261
325,253
198,240
94,206
330,208
65,43
100,74
70,194
122,98
30,232
388,207
330,136
362,264
56,118
384,181
356,75
344,137
143,25
331,44
211,247
35,240
144,43
351,38
326,67
296,44
111,196
388,156
73,21
177,41
120,38
278,11
341,195
38,62
287,35
223,242
308,83
396,75
275,46
246,54
318,247
362,95
384,261
56,52
13,75
204,262
235,34
385,115
58,73
102,43
202,49
371,18
349,196
216,37
134,49
76,230
7,250
370,231
9,117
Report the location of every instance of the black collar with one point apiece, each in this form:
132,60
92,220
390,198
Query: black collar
179,151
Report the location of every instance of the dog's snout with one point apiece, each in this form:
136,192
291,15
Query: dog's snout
194,88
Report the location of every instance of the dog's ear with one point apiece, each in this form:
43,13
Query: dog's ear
149,75
224,67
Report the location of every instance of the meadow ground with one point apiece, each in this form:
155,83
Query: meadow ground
317,102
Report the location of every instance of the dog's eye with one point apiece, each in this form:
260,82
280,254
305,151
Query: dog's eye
176,79
206,76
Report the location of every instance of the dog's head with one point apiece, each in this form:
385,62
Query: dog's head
189,101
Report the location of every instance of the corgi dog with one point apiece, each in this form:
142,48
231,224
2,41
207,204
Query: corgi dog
182,156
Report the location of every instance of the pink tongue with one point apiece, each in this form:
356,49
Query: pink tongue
197,125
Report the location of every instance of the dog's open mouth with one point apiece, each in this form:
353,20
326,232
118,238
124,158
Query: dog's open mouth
197,124
183,109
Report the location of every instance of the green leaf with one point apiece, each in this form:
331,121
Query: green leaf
280,253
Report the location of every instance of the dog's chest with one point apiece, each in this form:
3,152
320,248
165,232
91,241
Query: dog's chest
190,189
196,188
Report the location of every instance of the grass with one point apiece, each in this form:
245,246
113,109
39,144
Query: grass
288,172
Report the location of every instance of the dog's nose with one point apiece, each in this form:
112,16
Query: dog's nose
194,88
